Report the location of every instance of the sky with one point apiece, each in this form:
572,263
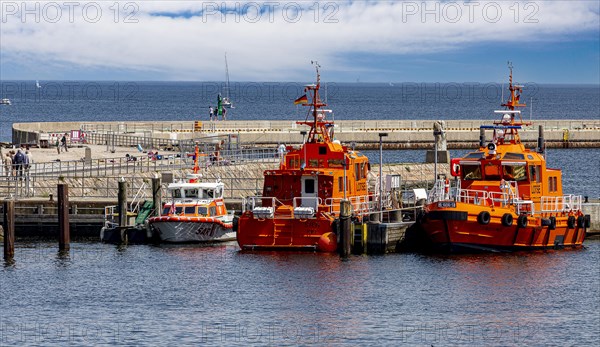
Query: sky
366,41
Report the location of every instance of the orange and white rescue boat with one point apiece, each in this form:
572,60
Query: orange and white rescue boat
301,198
503,196
196,212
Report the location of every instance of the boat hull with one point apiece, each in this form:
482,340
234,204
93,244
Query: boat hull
460,230
282,233
192,229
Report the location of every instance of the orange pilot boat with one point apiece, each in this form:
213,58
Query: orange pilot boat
301,199
504,197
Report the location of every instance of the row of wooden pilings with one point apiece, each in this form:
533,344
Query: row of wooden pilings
64,235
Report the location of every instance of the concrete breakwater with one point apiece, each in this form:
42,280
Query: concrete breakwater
364,134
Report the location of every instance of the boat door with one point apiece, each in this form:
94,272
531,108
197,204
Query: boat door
309,192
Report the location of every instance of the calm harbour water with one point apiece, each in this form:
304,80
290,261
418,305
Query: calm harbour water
146,295
100,294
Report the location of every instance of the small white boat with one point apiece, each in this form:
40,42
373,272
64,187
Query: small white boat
5,102
196,212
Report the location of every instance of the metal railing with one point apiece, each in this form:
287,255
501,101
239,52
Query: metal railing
563,203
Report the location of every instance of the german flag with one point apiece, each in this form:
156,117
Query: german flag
301,100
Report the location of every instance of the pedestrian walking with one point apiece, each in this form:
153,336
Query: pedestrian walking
63,142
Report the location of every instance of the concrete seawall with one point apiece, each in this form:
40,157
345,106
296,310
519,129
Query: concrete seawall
364,133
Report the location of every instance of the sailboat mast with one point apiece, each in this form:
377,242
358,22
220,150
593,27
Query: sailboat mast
226,77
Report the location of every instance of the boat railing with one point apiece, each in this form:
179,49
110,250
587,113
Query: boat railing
111,217
565,203
485,198
361,205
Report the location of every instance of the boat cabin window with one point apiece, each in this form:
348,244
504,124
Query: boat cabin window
202,211
293,162
191,193
207,194
534,173
178,210
514,156
190,210
213,211
471,172
340,184
309,186
474,155
322,150
166,210
492,172
335,162
514,172
552,184
176,193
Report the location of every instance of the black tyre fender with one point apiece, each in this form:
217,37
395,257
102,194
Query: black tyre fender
580,221
507,219
571,222
522,221
552,225
483,217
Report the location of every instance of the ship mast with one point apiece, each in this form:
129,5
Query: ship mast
318,126
510,125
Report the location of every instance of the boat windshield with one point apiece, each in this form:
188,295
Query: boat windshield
202,211
514,172
471,172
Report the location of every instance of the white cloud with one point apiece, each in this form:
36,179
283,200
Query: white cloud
276,47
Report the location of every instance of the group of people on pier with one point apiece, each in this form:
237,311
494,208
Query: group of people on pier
213,113
16,162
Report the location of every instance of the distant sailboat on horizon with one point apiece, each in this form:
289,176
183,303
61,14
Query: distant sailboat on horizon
226,101
37,84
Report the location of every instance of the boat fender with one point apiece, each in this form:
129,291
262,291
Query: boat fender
507,219
552,225
545,222
588,221
571,222
522,221
483,217
580,222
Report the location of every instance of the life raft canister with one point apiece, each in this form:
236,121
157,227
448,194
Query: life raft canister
455,167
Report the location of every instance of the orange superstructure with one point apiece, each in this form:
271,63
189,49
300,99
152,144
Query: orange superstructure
301,198
504,196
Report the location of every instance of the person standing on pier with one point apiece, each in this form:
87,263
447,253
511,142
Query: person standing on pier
63,142
18,162
8,165
224,113
211,112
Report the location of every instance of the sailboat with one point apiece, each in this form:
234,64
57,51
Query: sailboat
37,84
226,101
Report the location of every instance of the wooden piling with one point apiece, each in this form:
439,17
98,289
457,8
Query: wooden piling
156,196
64,236
122,208
345,231
9,229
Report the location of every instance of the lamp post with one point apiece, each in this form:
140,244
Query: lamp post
436,135
381,136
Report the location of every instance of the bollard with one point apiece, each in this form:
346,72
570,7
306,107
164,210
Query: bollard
9,229
122,208
345,231
156,196
64,236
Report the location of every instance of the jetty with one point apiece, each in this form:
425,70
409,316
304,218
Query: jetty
407,134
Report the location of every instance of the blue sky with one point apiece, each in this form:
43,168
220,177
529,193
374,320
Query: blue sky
370,41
